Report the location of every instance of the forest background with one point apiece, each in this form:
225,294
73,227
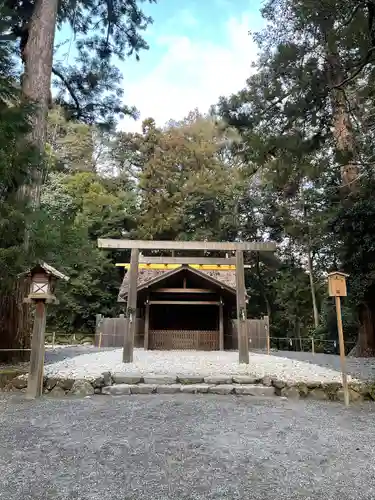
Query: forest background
289,158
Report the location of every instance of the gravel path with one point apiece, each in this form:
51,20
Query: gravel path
61,353
185,448
361,368
358,368
191,362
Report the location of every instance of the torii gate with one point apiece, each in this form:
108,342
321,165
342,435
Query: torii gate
238,247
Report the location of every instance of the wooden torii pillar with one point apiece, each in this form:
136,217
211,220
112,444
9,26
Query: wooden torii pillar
131,308
137,245
243,338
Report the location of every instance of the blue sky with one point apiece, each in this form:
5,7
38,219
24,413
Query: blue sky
199,50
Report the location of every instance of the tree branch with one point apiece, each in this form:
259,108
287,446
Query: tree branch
69,89
356,72
110,17
353,13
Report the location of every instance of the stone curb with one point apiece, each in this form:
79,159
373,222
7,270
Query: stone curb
250,390
117,384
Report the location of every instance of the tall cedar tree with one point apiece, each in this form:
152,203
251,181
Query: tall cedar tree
102,31
306,108
17,159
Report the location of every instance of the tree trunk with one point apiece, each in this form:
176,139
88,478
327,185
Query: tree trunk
298,334
341,122
312,287
310,262
37,55
262,287
344,138
346,157
365,346
15,324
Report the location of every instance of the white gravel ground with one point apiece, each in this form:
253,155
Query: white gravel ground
199,363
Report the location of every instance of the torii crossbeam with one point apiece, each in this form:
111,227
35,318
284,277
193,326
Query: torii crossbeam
237,247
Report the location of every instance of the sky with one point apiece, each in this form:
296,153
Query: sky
199,50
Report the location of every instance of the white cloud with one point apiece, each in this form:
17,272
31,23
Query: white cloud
193,73
184,18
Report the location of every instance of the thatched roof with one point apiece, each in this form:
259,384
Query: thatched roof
147,277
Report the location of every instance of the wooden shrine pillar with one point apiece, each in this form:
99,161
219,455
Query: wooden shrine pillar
131,308
147,323
221,325
243,340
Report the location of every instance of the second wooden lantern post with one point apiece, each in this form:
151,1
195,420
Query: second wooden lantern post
337,289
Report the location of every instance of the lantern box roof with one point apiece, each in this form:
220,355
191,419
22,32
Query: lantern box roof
46,268
340,273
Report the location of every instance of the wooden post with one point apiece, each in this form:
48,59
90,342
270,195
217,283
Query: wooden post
131,309
267,328
243,340
221,325
53,339
337,289
35,379
147,324
98,321
342,350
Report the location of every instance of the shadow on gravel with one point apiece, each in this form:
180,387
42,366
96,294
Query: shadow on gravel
62,353
361,368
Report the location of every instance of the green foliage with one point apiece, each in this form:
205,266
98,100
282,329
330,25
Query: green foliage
70,144
354,225
90,85
78,208
17,158
306,123
187,189
270,161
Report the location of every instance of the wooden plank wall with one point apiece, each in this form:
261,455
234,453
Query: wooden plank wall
257,333
113,334
113,330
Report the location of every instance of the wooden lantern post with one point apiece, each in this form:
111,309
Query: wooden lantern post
337,289
42,284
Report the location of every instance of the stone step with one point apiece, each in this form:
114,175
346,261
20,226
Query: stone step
137,378
223,389
242,385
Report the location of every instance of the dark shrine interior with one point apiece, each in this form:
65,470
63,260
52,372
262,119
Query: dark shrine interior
184,317
172,315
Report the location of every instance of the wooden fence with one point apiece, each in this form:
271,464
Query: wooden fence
110,333
258,333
